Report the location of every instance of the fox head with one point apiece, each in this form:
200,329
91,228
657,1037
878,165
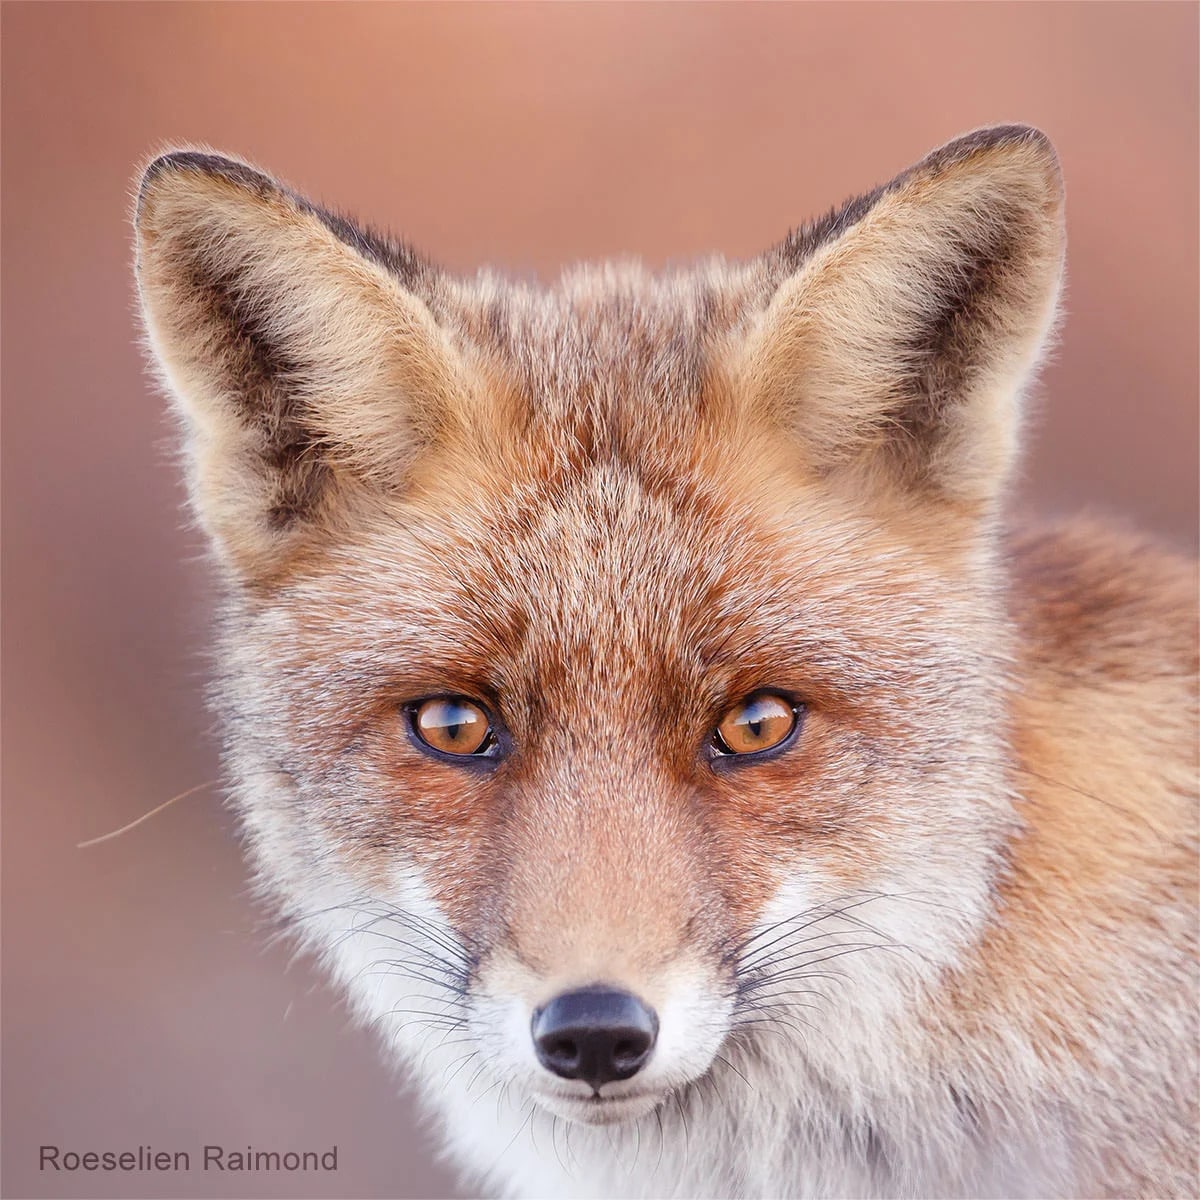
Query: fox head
613,675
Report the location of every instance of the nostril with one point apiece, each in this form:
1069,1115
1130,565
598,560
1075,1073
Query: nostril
630,1051
594,1034
563,1051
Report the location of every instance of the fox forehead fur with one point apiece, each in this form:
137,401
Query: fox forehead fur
942,941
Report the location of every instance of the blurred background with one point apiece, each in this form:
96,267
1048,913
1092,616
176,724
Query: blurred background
141,1004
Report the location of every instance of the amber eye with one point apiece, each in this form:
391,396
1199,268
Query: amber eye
453,725
760,722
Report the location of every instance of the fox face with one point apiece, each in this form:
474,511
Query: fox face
615,675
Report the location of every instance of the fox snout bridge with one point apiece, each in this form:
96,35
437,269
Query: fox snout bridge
594,1034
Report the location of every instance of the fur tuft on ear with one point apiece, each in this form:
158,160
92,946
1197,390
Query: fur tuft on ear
296,346
905,326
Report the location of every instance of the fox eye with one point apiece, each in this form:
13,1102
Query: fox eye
762,721
453,725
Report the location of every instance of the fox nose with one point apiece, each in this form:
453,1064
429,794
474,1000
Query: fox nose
596,1034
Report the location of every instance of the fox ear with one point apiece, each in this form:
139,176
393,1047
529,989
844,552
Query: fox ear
304,363
905,326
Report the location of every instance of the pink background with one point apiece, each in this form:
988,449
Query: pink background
139,1003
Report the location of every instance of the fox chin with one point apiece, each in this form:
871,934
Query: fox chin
638,695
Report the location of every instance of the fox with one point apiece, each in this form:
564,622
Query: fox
638,694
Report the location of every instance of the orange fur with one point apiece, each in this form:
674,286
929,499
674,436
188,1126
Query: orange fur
609,511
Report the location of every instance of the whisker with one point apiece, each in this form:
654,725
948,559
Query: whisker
447,1080
802,958
722,1058
520,1130
106,837
823,913
687,1141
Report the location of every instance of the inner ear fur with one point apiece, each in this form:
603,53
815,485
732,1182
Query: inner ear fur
295,345
906,325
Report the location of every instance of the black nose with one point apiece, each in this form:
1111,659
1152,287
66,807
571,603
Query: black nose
596,1034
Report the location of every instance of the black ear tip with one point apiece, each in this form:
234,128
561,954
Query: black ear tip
989,137
1011,132
172,164
1027,139
1024,146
